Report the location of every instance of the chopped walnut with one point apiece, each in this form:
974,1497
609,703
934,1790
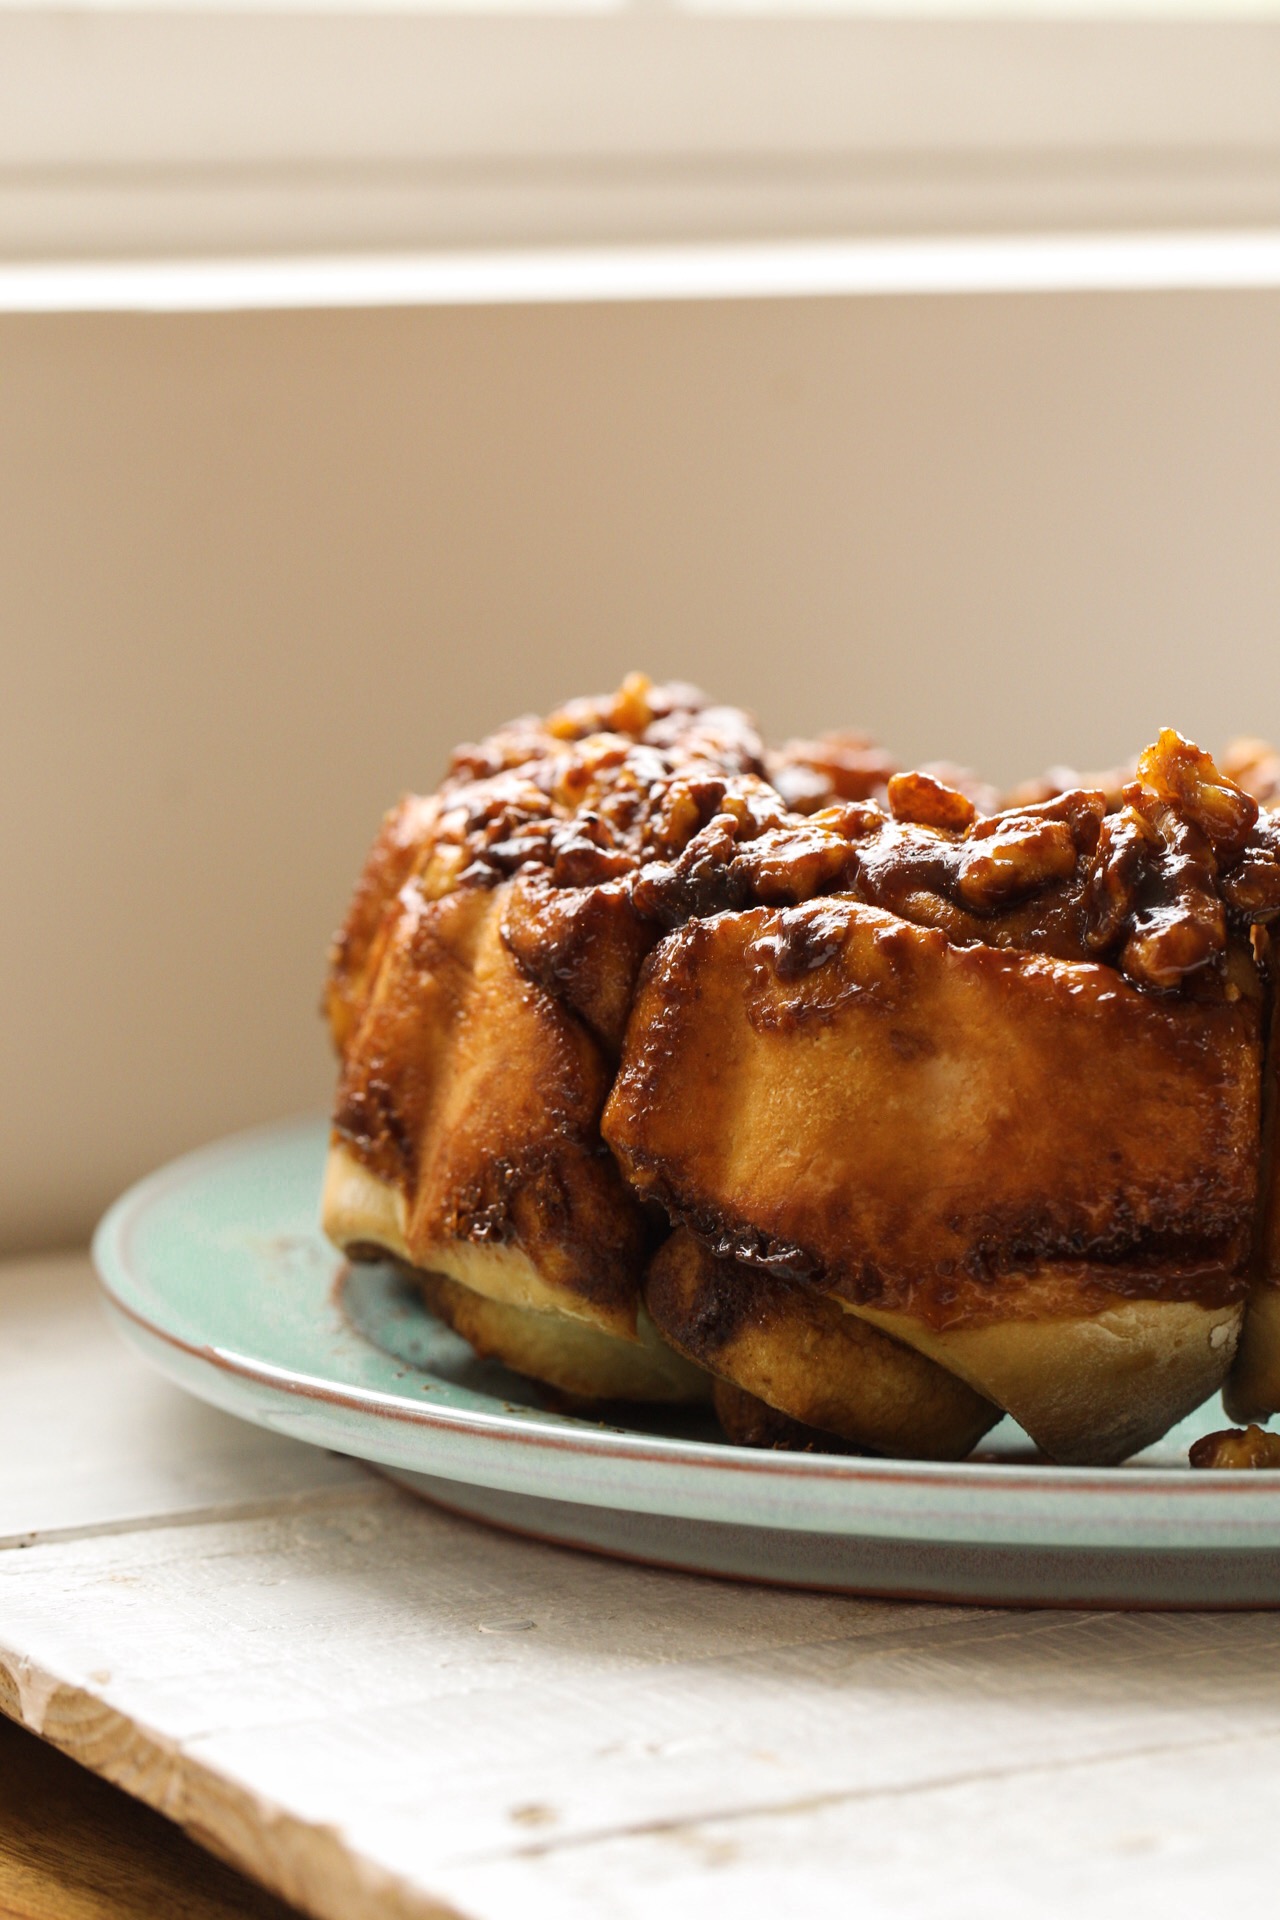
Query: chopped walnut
1252,888
1237,1447
984,796
1179,924
596,790
1017,859
1171,943
794,864
679,818
664,798
705,879
1155,889
1009,855
855,820
1125,844
754,807
579,862
1181,775
926,801
1255,766
631,710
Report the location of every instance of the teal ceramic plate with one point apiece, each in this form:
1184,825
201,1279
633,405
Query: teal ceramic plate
216,1270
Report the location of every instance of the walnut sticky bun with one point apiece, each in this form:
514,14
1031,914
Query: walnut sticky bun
675,1068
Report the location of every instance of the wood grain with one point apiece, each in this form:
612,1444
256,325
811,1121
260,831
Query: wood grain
74,1848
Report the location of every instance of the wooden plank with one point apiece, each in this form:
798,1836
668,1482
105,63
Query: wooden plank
1144,1838
380,1709
95,1439
74,1848
325,1704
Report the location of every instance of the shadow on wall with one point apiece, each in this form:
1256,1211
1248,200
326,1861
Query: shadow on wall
262,570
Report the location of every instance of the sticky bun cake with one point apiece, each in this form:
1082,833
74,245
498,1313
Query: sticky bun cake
672,1068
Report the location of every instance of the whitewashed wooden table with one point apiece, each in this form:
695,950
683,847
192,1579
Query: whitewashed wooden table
381,1710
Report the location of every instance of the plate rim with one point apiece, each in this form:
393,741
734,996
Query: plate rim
110,1253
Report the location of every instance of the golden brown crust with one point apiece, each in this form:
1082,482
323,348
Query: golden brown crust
569,1355
1029,1072
803,1356
922,1127
477,1097
1033,1172
357,949
480,987
582,945
1094,1388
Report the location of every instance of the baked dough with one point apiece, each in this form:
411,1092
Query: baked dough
800,1354
956,1106
477,996
570,1355
1094,1390
1028,1169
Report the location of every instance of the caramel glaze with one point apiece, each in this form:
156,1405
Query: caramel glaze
479,1101
1251,763
579,841
955,1132
1155,888
574,807
480,987
624,819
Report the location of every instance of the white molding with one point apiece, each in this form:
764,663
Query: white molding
174,131
83,86
1039,264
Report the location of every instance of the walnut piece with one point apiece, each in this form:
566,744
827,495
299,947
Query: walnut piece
1185,777
925,801
1237,1447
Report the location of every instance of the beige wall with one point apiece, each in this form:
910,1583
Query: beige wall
259,571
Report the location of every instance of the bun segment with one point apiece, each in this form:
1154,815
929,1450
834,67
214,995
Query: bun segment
569,1355
953,1110
1252,1391
936,1135
796,1351
1093,1390
497,1299
477,1007
466,1137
